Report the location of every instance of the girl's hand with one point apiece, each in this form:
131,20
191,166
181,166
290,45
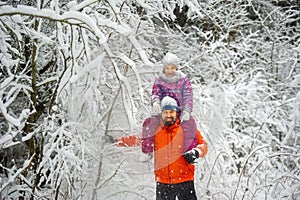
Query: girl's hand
156,108
185,116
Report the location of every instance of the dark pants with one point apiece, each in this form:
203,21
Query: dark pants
184,191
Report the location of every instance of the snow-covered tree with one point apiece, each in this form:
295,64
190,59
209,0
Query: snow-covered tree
77,74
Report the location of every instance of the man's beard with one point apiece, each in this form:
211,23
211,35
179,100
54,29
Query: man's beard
169,123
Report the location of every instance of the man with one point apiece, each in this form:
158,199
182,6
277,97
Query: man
174,169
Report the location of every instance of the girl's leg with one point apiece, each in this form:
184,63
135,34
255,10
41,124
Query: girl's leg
190,129
149,128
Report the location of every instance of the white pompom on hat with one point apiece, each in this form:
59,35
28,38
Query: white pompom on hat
171,58
168,103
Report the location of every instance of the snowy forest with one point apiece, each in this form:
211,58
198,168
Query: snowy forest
75,75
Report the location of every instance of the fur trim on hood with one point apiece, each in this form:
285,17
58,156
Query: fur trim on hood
178,74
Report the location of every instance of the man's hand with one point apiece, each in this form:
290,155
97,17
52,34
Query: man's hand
191,156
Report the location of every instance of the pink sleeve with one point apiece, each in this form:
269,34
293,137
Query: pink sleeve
156,93
187,95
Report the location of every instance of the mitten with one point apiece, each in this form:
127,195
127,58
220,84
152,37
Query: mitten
191,156
185,116
156,108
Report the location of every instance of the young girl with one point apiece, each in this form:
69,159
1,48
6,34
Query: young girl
173,83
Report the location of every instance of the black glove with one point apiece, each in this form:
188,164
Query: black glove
191,156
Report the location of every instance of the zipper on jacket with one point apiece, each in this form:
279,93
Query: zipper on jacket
168,156
171,138
170,149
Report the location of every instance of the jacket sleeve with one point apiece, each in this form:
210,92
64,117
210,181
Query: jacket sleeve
156,92
202,145
187,96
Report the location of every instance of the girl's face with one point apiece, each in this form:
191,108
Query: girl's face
169,70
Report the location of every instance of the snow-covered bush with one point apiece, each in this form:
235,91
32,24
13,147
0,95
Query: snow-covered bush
76,74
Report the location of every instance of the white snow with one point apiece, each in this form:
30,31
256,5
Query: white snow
245,84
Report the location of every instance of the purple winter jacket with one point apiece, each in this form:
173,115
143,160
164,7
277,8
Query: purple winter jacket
178,87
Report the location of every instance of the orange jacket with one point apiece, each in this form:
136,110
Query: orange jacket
170,165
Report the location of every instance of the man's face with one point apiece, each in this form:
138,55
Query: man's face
169,117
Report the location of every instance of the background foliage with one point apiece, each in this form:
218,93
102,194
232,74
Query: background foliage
76,74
